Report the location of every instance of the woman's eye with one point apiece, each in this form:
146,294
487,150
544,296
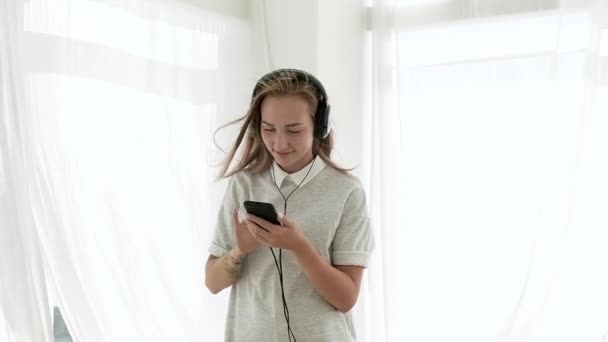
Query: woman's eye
269,129
294,132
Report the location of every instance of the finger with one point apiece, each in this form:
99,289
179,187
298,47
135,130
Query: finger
285,221
251,228
252,224
256,228
255,223
260,234
235,217
261,222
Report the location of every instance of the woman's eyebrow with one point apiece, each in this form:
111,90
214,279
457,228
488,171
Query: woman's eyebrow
290,125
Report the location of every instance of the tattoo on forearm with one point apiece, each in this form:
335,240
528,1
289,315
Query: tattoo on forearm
232,266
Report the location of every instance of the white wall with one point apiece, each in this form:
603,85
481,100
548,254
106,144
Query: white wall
291,28
340,66
325,38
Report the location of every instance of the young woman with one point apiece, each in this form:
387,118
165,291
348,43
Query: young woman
300,279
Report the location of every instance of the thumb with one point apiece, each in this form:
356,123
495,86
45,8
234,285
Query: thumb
235,216
284,220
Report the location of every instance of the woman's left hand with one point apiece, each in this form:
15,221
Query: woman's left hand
288,235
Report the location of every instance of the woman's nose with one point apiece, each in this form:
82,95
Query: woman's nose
280,142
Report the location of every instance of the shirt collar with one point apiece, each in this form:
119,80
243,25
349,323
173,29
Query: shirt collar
297,177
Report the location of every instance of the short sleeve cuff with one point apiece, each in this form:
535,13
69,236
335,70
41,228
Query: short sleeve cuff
350,258
217,251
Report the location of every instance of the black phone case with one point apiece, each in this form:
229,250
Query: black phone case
263,210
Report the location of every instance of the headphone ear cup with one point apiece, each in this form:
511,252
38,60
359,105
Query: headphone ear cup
330,125
323,124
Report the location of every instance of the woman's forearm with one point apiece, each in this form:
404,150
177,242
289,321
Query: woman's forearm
335,286
222,272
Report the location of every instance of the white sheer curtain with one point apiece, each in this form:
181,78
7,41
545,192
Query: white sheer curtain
108,111
489,160
487,163
24,314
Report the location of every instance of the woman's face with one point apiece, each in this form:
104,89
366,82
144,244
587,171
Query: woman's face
287,131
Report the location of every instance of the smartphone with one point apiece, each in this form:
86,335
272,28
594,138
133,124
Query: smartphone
263,210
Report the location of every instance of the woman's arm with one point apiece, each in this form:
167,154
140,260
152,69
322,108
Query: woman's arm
338,285
222,272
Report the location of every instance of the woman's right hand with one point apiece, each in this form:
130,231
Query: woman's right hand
245,242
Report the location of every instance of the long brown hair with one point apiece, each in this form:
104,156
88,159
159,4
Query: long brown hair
256,158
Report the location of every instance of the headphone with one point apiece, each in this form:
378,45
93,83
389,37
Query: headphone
321,120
